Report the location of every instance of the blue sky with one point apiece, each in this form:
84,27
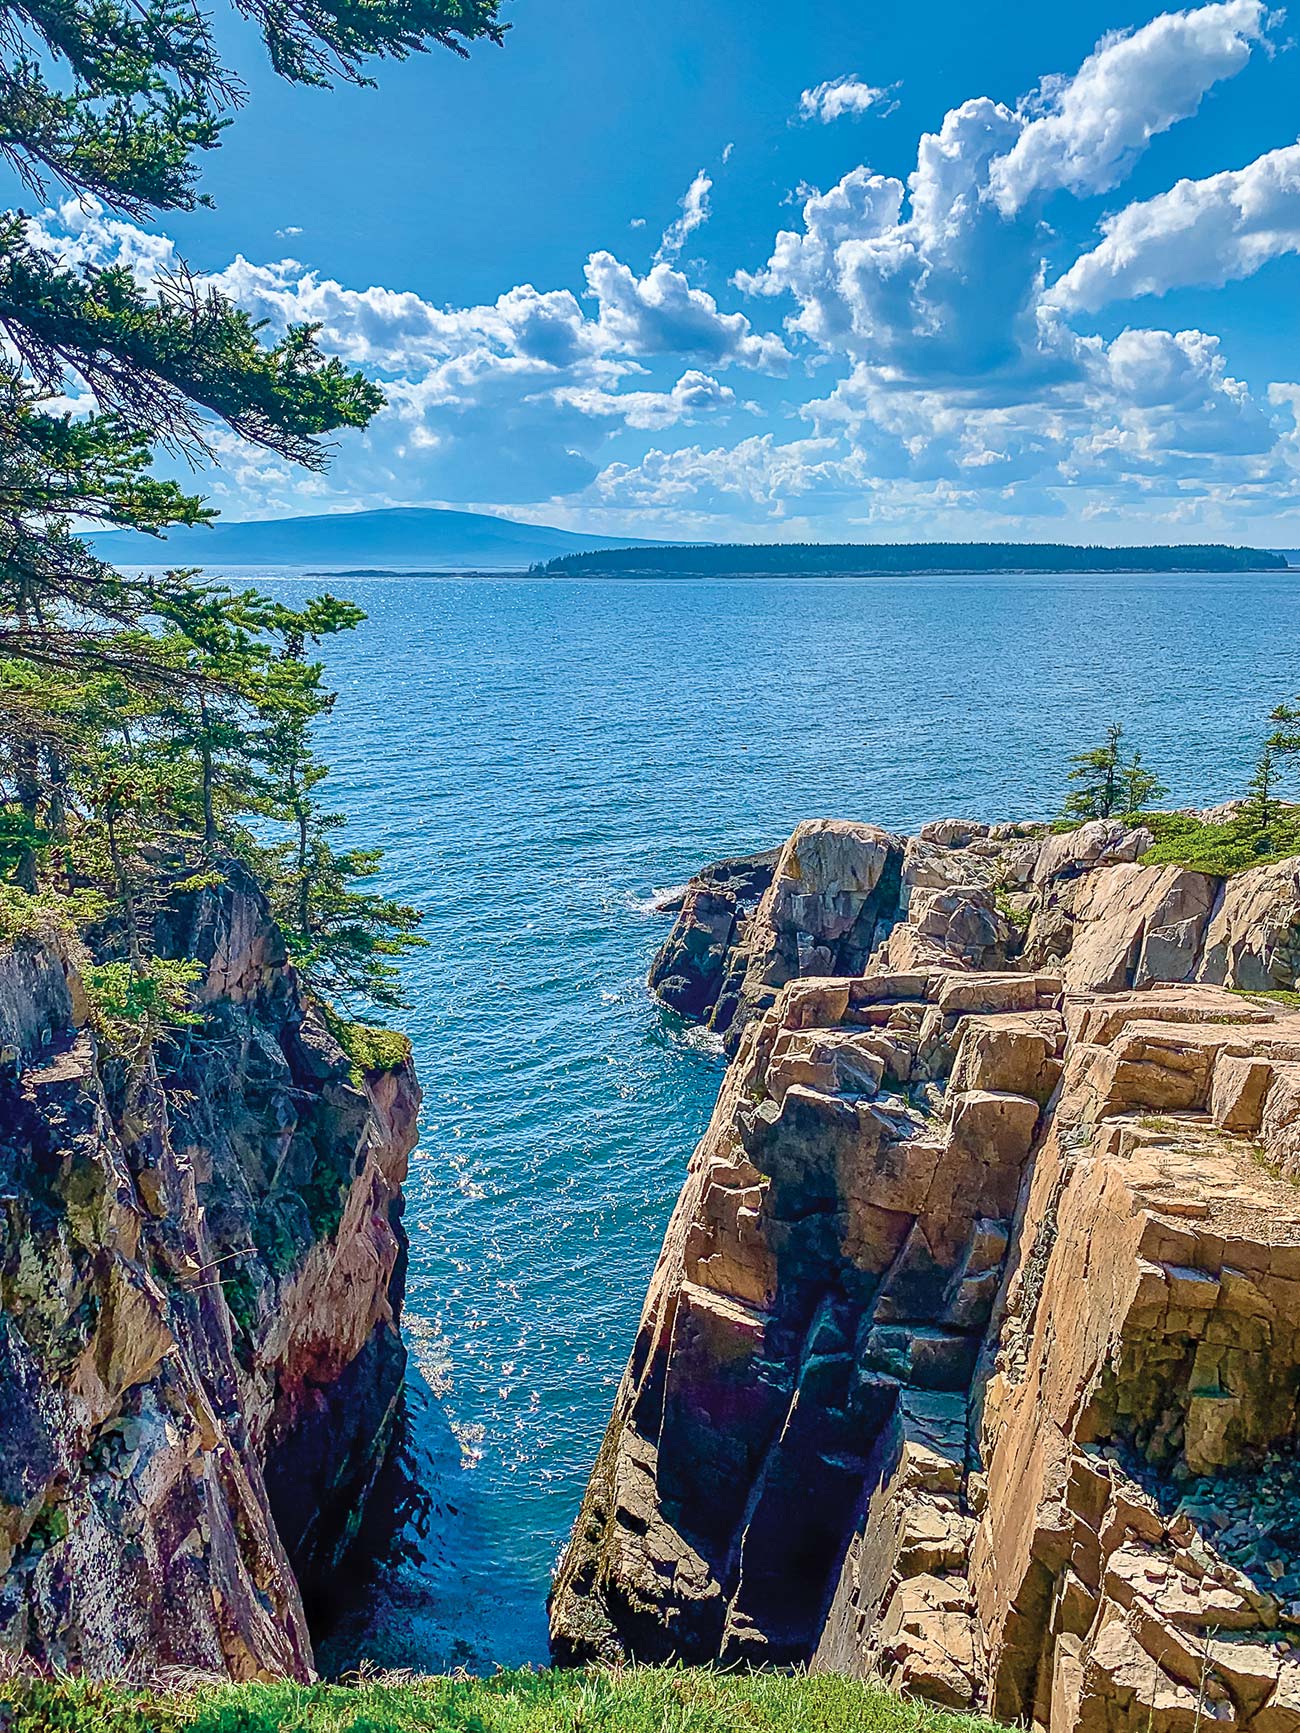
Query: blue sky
845,271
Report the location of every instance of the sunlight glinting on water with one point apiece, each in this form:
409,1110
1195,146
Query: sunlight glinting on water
536,759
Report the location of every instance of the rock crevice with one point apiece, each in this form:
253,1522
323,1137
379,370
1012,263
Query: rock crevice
199,1356
972,1356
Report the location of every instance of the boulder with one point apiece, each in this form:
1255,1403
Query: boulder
1135,926
691,967
1253,941
1102,842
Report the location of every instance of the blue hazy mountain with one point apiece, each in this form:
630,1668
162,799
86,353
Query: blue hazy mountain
421,537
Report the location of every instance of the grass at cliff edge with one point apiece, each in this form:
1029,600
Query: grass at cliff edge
631,1700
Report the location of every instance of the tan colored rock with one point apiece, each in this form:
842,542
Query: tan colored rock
1249,1671
964,923
996,992
1135,926
969,1323
930,1653
953,833
833,895
1281,1714
1102,842
1238,1091
1253,941
1015,1054
1123,1687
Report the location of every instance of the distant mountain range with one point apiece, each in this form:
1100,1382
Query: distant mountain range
426,538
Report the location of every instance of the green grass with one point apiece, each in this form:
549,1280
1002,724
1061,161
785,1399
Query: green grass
1269,995
632,1700
1221,850
1218,849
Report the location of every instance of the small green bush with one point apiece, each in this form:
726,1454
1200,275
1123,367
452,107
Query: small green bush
1221,850
375,1048
23,916
369,1046
1012,913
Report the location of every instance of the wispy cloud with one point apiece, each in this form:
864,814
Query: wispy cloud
848,94
694,209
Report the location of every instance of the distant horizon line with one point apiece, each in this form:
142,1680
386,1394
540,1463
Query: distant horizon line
679,541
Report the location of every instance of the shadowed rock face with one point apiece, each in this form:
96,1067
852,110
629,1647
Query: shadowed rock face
693,971
972,1358
819,905
199,1360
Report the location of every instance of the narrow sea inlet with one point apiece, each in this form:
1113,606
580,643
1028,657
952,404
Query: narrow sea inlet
537,759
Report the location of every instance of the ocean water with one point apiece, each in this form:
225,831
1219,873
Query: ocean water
538,759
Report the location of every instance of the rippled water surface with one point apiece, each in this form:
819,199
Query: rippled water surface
537,759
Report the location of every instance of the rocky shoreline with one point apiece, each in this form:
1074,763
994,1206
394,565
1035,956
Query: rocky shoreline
971,1360
200,1362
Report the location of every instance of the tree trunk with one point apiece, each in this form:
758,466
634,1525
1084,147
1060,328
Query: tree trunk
209,818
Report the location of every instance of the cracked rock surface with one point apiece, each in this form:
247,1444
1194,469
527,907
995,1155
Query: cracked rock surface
199,1360
971,1361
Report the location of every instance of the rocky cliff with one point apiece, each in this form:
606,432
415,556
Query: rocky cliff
972,1358
200,1368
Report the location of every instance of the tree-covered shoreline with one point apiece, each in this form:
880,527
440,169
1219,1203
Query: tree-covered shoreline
903,559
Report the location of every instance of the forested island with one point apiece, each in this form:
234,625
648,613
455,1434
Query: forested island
866,559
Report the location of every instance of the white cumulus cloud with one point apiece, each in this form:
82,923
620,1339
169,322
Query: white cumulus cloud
1088,129
693,394
940,380
661,314
848,94
758,472
1202,232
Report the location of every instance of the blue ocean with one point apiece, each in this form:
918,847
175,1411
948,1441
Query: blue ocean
539,759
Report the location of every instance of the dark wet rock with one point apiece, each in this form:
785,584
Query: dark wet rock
712,916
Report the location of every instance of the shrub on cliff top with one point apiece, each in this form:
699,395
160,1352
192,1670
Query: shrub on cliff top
374,1048
1221,849
370,1046
629,1700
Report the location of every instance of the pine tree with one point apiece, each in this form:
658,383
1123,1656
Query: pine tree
1261,807
147,726
1284,742
1141,787
343,938
1097,774
1108,784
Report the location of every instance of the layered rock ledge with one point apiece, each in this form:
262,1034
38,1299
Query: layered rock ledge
972,1357
200,1369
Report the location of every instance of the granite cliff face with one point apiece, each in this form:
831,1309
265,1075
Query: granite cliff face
200,1369
971,1361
